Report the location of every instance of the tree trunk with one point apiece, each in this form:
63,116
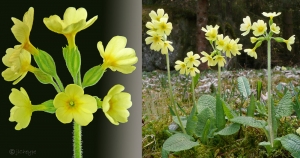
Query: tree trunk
202,8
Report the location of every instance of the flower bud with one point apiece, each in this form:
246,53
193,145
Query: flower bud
92,76
73,60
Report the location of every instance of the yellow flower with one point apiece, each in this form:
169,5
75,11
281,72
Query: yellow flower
155,40
259,27
237,47
246,26
162,26
251,52
157,16
208,58
192,71
253,39
180,66
22,111
290,41
271,15
115,105
73,22
275,28
298,131
21,31
74,104
18,64
229,46
191,59
151,27
116,56
211,32
220,42
166,45
219,60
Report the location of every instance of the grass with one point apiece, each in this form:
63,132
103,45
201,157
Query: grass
157,118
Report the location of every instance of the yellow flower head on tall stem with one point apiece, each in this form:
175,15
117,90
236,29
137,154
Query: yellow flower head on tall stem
246,26
274,28
271,15
208,58
157,16
22,29
22,111
259,28
220,60
192,71
290,41
74,104
116,56
166,46
73,22
155,40
163,27
115,105
18,64
180,66
251,52
191,59
220,42
211,32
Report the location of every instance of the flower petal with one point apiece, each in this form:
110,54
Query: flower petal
17,98
90,22
88,104
83,118
74,91
64,115
28,18
20,30
54,23
69,15
61,100
116,44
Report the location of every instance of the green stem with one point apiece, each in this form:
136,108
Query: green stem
77,141
56,87
219,80
79,78
270,123
171,95
61,87
193,90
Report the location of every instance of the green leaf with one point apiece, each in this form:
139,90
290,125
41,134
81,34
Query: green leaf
229,130
179,142
251,107
206,101
73,60
45,62
291,142
191,123
205,132
249,121
220,116
183,120
203,116
274,120
92,76
228,111
258,89
164,153
195,80
296,106
171,111
180,108
268,146
244,86
285,106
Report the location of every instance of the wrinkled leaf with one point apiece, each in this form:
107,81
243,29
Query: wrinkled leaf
179,142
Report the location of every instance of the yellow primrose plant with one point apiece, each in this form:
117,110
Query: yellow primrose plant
71,104
263,31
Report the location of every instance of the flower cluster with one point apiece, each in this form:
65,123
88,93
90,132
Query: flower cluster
70,103
159,29
187,66
221,46
260,31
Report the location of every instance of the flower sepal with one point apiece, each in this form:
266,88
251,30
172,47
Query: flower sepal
99,102
279,39
46,106
92,76
73,60
45,62
42,76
